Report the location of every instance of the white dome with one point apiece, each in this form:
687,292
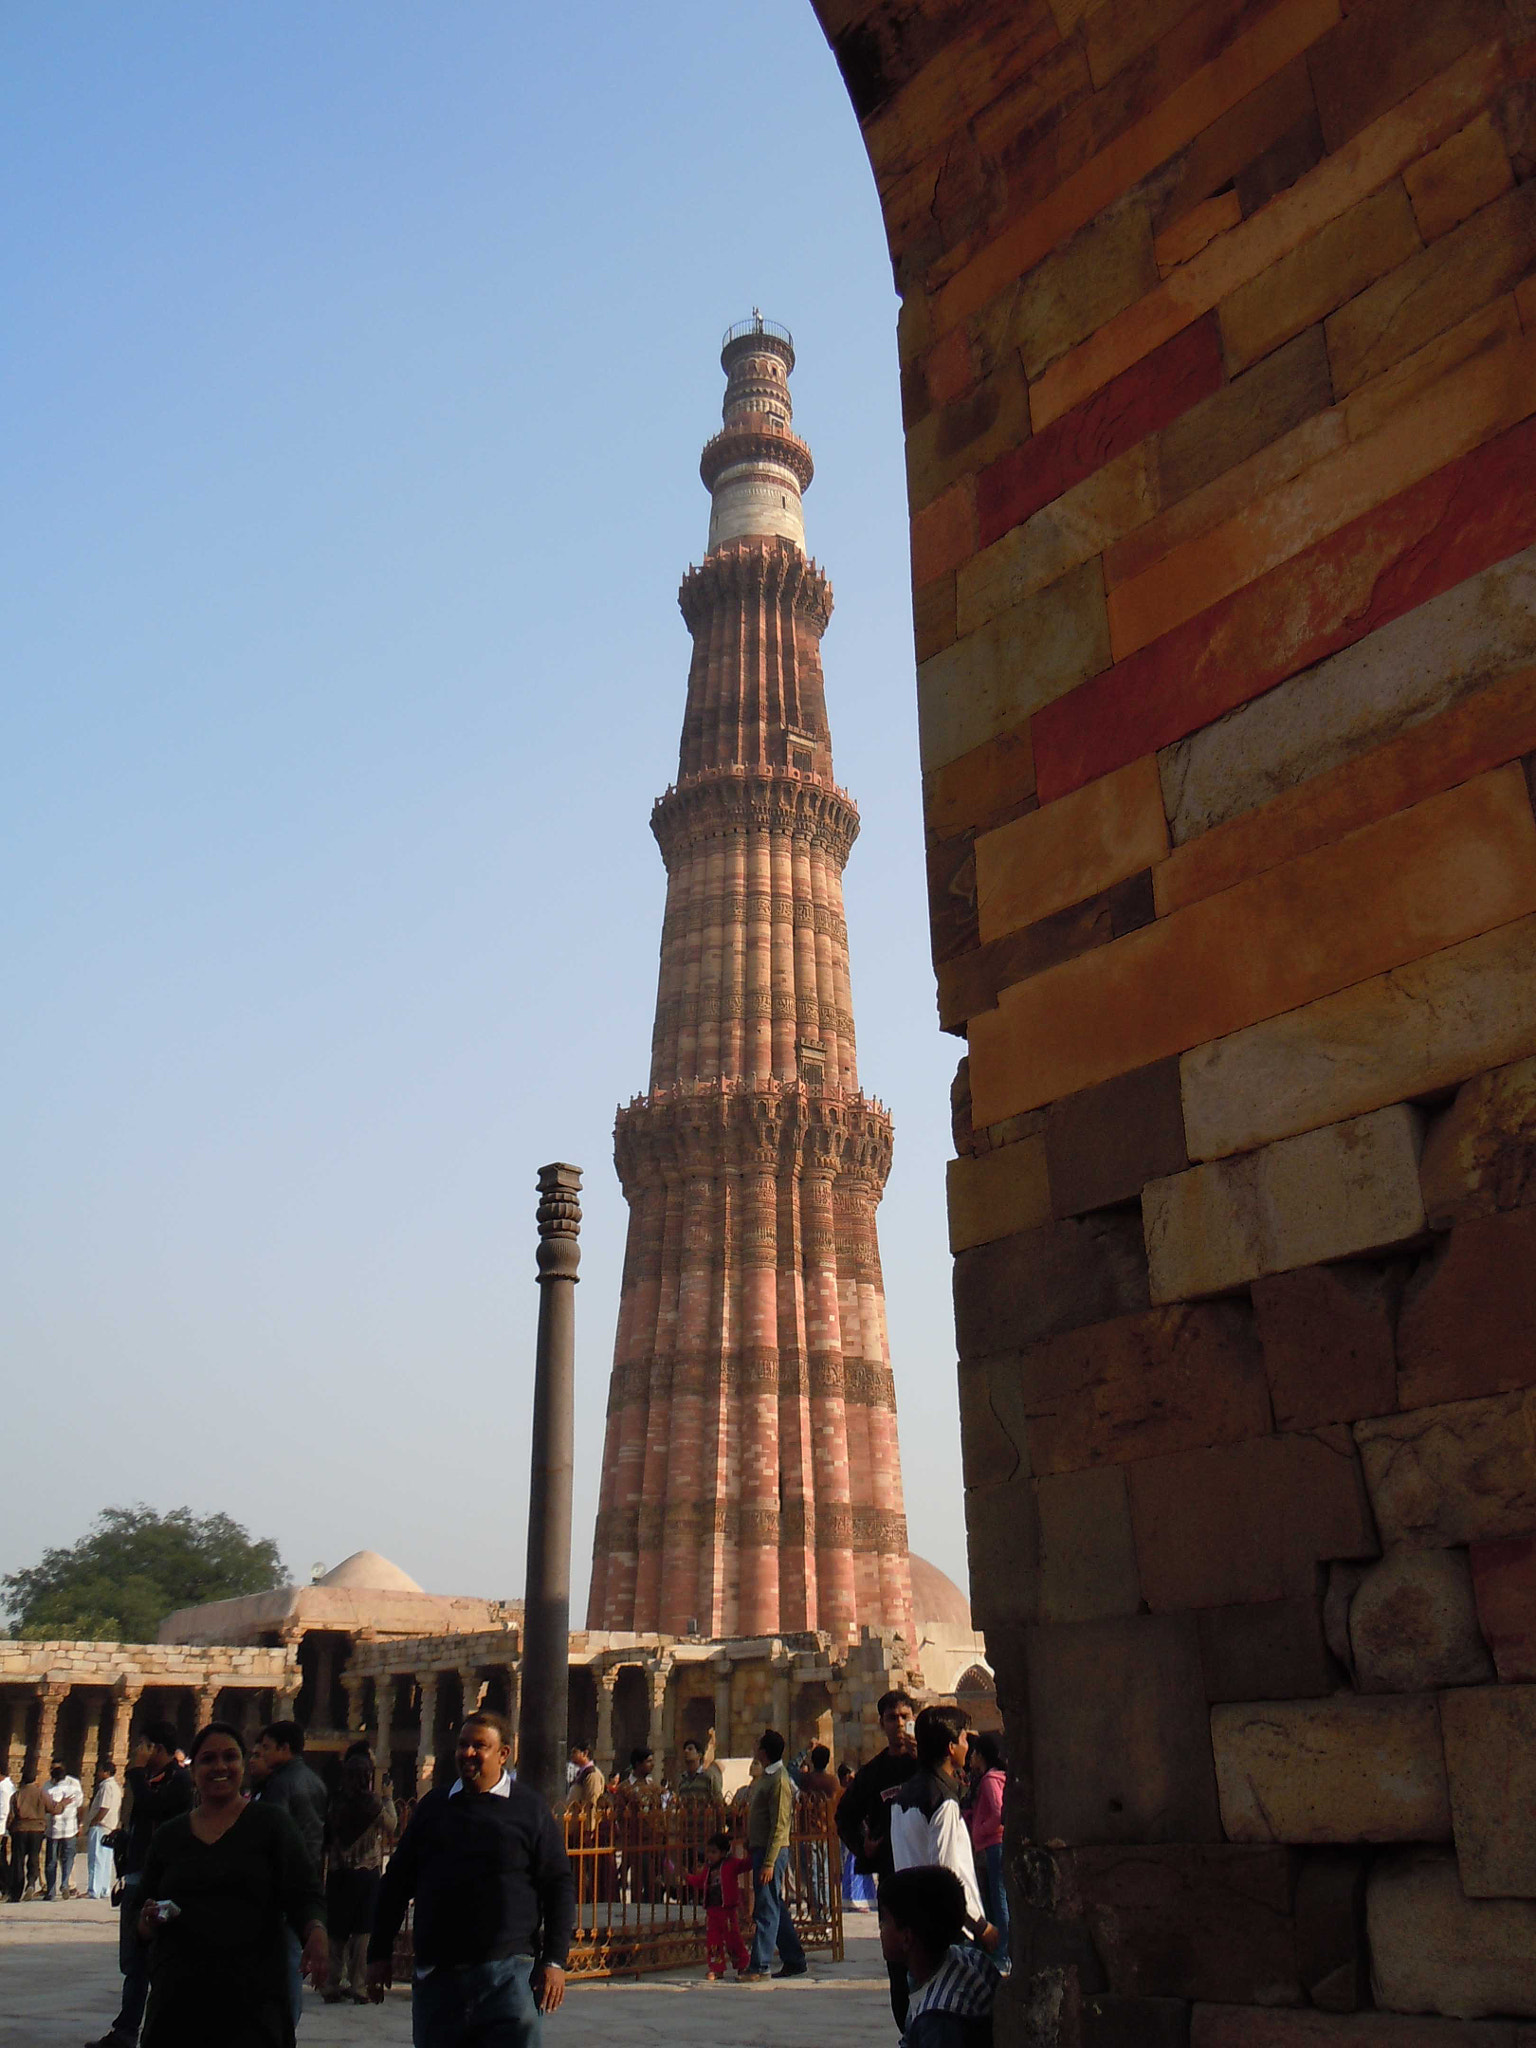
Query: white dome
365,1571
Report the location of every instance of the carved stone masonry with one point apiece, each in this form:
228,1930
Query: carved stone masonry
751,1476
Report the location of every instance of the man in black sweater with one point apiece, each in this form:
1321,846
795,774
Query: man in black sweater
864,1812
495,1904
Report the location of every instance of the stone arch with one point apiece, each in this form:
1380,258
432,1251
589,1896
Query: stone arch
1225,612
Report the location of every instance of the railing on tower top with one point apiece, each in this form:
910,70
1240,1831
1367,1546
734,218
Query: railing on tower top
756,325
632,1855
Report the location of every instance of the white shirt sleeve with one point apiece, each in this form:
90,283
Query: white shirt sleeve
952,1848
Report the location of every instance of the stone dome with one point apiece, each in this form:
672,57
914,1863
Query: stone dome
365,1571
937,1602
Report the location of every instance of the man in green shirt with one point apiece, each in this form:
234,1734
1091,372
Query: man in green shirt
769,1819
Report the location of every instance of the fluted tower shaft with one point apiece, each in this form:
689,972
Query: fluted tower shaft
751,1474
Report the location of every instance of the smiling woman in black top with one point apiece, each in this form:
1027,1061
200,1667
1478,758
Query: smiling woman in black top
236,1873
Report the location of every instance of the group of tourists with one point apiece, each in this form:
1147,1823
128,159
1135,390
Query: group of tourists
40,1830
239,1876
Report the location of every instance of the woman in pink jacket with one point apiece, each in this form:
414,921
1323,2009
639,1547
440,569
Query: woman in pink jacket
989,1775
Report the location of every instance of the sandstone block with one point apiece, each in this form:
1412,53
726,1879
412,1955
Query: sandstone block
1434,1950
1277,169
1347,255
1079,524
1246,1522
1490,1759
1110,2022
1050,859
971,981
1468,1325
1118,1734
989,1455
1487,255
1480,1155
1471,402
1413,1624
1245,416
1105,1144
1040,1282
991,681
997,1193
1339,1770
1105,267
1458,1474
1358,701
1235,139
1483,731
1420,1027
1382,50
1467,173
1327,1333
1190,233
1002,1550
1328,1194
965,434
1230,2026
1504,1578
1149,397
1466,516
1330,1929
944,533
983,787
1423,879
1169,1380
1370,405
1087,1552
1265,1650
933,615
1191,1922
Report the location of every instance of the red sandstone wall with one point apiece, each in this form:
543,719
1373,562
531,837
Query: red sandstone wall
1218,345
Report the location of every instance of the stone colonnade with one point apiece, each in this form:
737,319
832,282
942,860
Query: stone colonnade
1218,363
82,1701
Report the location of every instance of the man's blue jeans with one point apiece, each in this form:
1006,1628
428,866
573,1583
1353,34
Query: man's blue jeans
60,1865
476,2005
773,1929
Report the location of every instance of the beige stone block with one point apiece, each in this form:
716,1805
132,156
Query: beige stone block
1073,528
1404,672
1419,1027
1489,328
1480,1155
996,1193
1106,267
1434,1950
1413,1624
1328,1194
1490,1759
1070,850
1027,656
1334,1770
1459,1473
1453,181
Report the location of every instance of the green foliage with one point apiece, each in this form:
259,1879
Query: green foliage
119,1581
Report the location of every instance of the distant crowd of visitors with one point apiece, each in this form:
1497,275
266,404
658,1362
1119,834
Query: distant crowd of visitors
239,1876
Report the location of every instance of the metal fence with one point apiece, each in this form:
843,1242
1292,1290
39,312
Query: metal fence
632,1856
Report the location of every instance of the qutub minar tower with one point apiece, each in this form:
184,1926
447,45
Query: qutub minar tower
751,1476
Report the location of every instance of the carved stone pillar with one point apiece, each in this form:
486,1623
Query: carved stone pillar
125,1697
52,1693
383,1719
426,1744
722,1671
781,1673
514,1695
353,1687
656,1725
206,1702
250,1716
96,1725
321,1712
606,1681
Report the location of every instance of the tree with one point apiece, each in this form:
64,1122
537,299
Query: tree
132,1569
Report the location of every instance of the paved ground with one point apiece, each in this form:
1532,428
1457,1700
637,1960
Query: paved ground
59,1984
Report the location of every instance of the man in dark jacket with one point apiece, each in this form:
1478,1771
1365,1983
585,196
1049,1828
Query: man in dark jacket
863,1812
280,1777
495,1903
158,1789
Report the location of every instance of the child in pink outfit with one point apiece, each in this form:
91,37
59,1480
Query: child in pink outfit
721,1883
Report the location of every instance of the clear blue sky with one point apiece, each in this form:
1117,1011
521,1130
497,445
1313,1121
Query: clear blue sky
358,361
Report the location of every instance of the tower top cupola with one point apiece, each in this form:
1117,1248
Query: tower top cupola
756,467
